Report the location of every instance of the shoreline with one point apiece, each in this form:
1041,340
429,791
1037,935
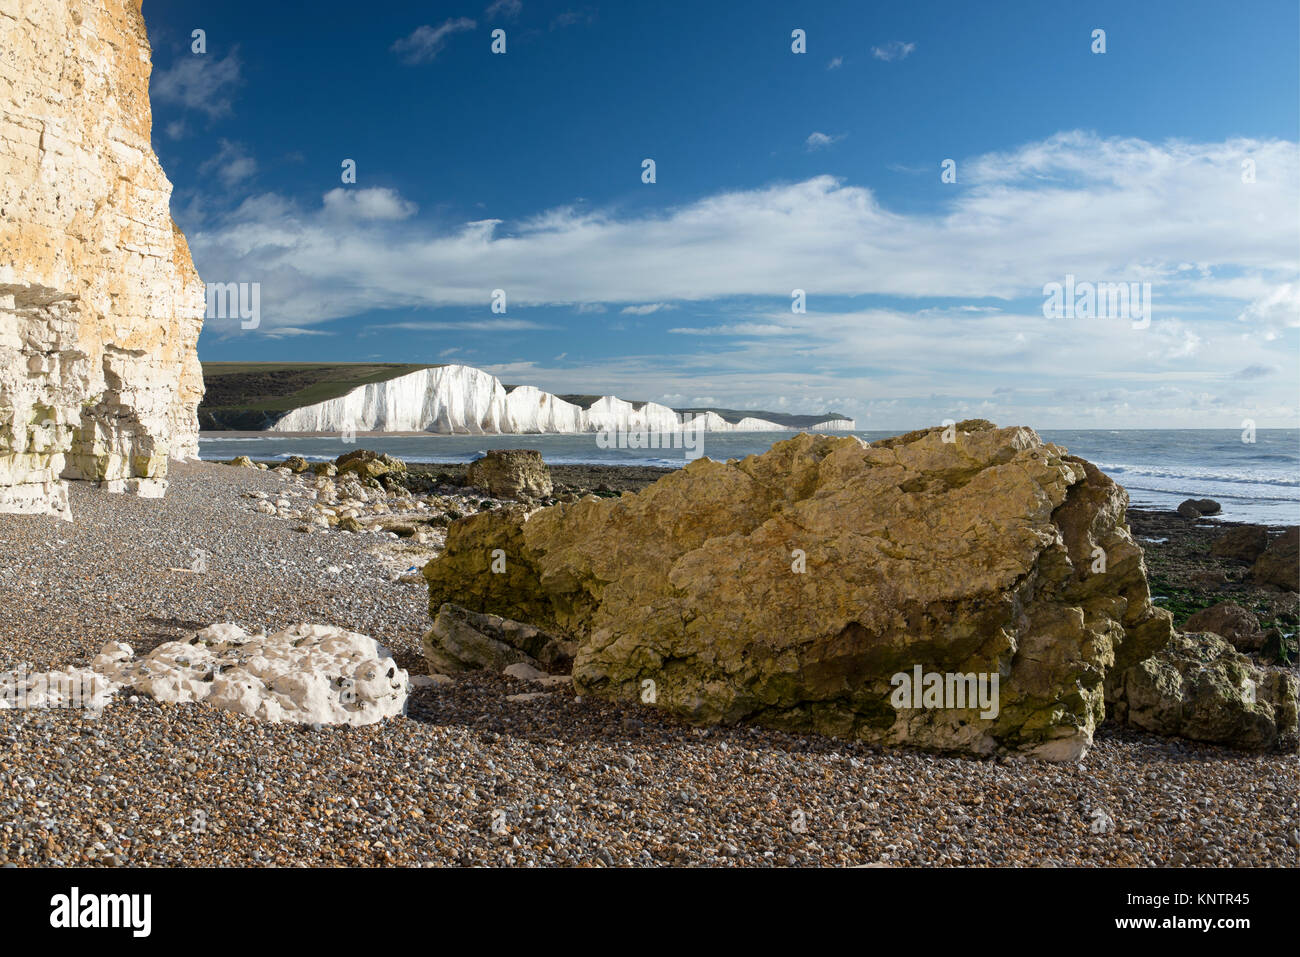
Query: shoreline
1254,484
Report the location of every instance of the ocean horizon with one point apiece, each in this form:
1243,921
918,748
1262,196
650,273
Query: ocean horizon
1254,481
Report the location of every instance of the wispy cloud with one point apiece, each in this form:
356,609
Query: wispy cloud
571,18
288,332
646,309
469,325
893,50
819,141
1279,309
836,63
231,163
424,43
202,82
504,8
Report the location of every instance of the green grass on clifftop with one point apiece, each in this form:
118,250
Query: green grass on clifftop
254,395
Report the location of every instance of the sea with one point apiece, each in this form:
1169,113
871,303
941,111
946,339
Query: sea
1255,481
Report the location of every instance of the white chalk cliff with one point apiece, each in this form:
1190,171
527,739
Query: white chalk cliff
100,306
462,399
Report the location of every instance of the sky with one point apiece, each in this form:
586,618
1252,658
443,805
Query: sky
921,172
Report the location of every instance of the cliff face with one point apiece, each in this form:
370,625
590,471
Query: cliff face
462,399
100,305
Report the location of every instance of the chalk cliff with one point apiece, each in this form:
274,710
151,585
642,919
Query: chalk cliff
100,305
462,399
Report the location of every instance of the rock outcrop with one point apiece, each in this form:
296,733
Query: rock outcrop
1279,565
367,464
463,640
100,306
796,587
1198,687
511,473
1245,543
1234,624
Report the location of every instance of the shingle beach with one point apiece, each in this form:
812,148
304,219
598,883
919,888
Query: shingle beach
469,776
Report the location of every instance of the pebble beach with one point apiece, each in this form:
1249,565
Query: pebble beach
475,773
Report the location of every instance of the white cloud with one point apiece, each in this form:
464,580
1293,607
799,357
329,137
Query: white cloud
286,332
736,329
1011,367
469,325
818,141
505,8
424,43
893,50
201,82
646,309
1075,204
1278,310
372,203
836,63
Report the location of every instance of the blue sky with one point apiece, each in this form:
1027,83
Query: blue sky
775,171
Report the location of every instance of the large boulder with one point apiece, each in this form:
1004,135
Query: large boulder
1245,543
800,588
1239,627
1202,506
365,463
1279,565
1198,687
511,473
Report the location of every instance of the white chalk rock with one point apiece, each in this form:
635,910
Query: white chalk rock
309,674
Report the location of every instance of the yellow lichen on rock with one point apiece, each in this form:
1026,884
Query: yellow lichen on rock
100,305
